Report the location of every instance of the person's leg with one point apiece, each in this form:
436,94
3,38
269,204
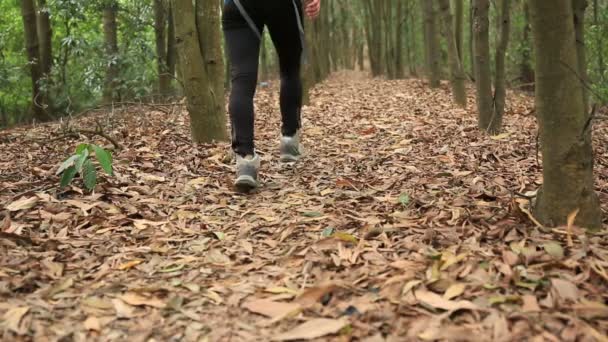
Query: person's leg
243,48
285,33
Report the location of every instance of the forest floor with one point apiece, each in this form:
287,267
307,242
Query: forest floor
403,222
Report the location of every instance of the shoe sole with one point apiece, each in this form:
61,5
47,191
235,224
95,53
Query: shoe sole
245,184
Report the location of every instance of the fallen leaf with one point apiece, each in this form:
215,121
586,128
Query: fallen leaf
122,309
565,289
454,290
554,249
530,304
271,308
135,299
12,320
313,329
23,204
436,301
92,323
129,264
313,295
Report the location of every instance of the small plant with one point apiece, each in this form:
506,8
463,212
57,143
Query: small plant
81,163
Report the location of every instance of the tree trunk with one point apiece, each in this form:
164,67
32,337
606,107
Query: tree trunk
458,28
28,12
483,76
500,90
472,38
160,29
110,33
171,49
564,124
206,121
45,36
601,67
525,68
432,43
457,76
579,7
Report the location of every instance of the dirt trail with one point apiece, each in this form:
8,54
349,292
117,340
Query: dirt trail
398,200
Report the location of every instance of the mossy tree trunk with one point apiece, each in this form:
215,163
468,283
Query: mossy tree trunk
160,33
207,122
564,123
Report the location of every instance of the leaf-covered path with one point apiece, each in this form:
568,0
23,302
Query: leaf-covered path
402,222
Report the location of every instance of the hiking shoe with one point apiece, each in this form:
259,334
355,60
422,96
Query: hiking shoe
291,150
247,172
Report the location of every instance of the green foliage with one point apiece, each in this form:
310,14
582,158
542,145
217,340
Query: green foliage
81,163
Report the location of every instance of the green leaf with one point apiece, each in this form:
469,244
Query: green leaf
81,159
312,214
68,175
82,147
89,175
104,157
220,236
327,232
67,163
404,199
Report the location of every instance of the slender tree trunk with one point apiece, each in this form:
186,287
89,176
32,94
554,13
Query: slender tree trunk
45,36
457,76
28,12
601,67
171,49
472,38
399,23
458,28
564,124
110,32
579,7
432,42
160,30
525,69
500,89
483,76
207,123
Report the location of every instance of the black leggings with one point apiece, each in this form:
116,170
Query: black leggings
243,47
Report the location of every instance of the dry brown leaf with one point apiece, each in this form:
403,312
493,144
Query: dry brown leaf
436,301
23,203
271,308
92,323
530,304
313,329
136,299
13,319
122,309
313,295
565,289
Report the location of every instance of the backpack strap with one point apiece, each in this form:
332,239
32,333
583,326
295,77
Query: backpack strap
248,19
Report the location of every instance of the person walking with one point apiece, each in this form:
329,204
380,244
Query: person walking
243,23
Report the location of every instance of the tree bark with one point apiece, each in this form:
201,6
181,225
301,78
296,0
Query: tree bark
458,29
564,124
579,7
160,30
207,123
457,76
525,68
500,90
110,33
432,43
45,36
483,76
28,12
